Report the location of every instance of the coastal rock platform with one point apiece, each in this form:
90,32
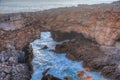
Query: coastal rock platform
96,40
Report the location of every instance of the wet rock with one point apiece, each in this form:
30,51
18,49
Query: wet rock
67,78
86,78
52,50
50,77
45,71
87,69
108,71
94,56
97,64
80,73
60,48
112,72
44,47
21,57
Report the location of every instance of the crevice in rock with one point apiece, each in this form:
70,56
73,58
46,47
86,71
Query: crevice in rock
61,36
88,51
28,56
21,28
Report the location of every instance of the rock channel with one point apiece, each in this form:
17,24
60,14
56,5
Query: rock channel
98,24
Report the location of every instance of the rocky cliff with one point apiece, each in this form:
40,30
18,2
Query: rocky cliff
99,23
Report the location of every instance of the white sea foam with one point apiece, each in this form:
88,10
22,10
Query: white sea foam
59,64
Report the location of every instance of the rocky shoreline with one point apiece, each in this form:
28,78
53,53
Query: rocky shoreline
13,65
98,24
94,56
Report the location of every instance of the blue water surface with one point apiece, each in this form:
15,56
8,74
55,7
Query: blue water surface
59,64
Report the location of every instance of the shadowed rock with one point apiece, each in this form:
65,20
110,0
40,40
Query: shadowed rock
97,22
48,76
100,23
12,65
94,56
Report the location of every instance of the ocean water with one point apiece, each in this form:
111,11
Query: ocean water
59,64
14,6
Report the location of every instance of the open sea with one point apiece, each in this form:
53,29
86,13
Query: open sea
14,6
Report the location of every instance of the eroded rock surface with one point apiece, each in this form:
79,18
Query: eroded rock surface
12,65
99,23
93,55
49,76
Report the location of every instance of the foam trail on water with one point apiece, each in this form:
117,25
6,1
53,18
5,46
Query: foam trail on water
59,64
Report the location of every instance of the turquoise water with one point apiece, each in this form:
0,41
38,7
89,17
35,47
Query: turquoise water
59,64
13,6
